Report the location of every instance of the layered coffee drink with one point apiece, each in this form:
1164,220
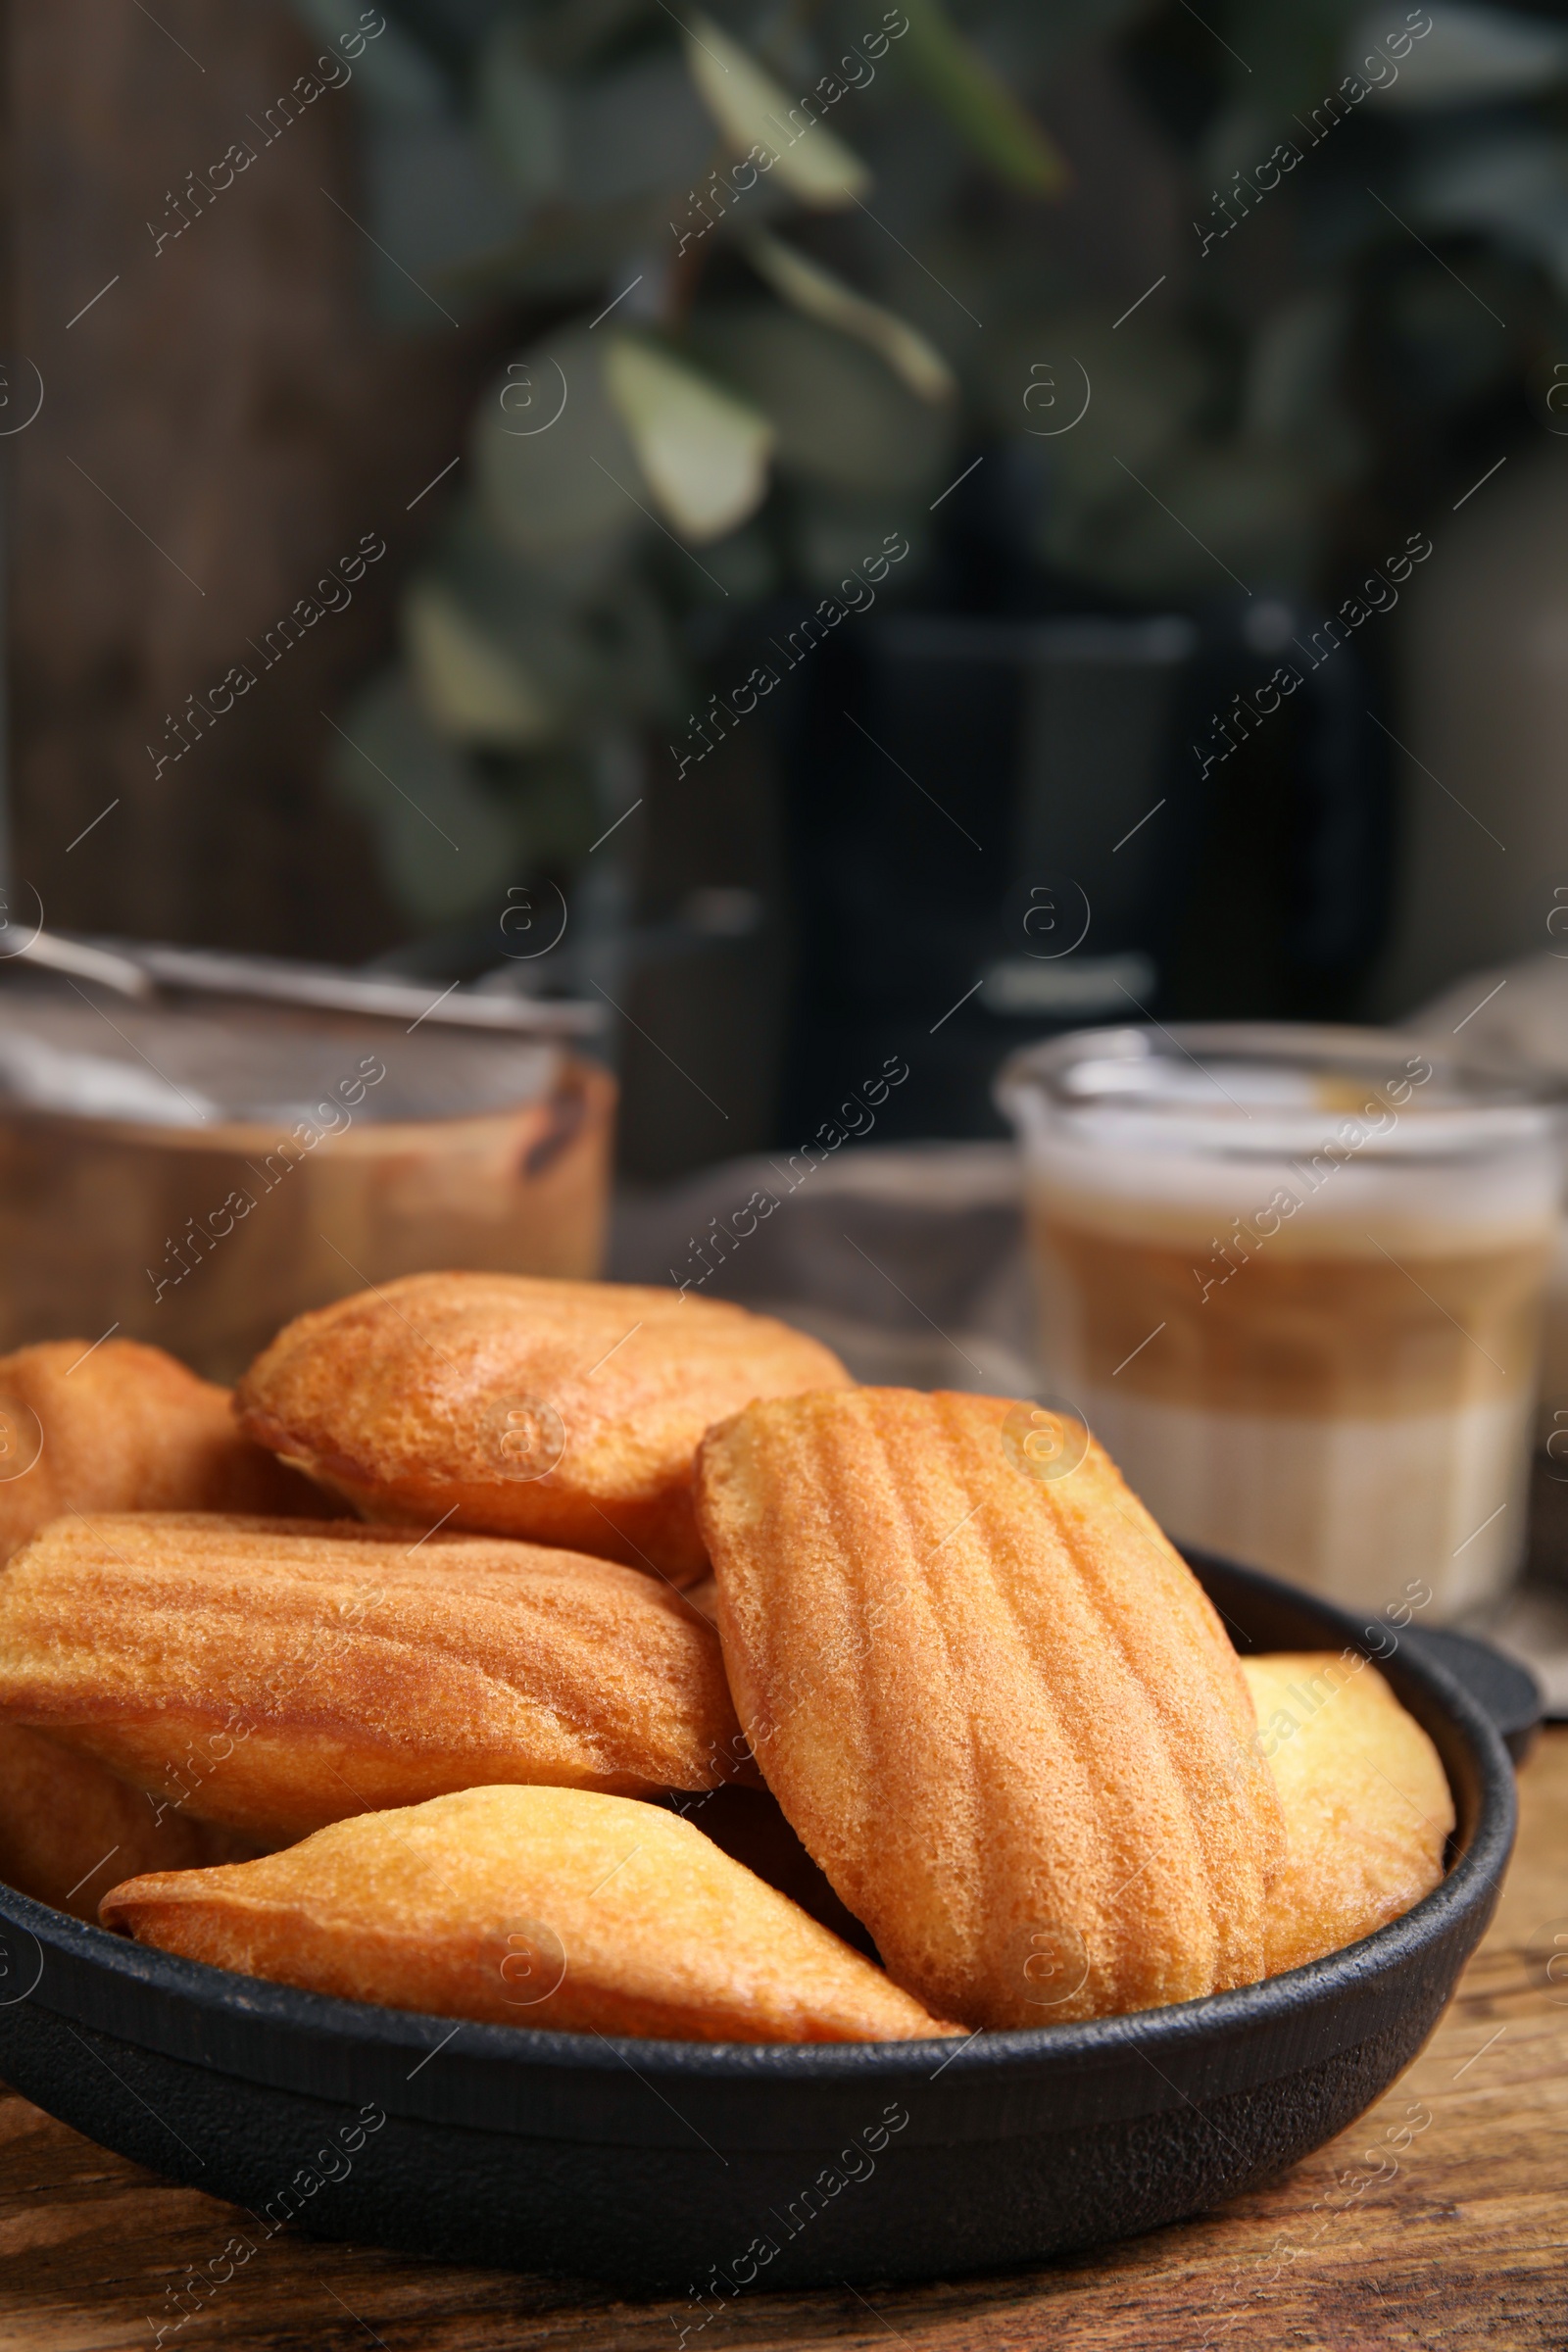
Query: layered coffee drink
1291,1279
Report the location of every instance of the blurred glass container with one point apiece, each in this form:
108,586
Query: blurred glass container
1291,1278
194,1174
1515,1017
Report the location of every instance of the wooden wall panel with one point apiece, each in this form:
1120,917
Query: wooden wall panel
230,395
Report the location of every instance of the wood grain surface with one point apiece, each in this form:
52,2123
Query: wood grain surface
222,419
1439,2220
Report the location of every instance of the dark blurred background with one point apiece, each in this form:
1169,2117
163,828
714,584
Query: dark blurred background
909,527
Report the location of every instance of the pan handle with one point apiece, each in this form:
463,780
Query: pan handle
1507,1692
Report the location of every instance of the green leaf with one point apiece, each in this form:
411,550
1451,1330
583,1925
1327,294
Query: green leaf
563,253
820,295
757,117
473,688
505,661
557,471
520,112
703,453
638,131
442,839
842,416
634,131
1134,389
434,200
978,102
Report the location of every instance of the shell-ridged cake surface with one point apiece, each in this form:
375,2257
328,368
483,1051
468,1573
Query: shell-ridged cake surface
566,1412
993,1702
275,1675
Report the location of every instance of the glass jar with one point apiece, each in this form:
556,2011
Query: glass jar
195,1174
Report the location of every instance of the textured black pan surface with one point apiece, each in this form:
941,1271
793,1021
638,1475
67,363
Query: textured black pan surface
1506,1690
677,2165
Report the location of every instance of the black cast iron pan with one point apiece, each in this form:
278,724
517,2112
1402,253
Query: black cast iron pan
701,2168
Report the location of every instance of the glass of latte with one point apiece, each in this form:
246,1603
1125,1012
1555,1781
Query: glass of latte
1291,1279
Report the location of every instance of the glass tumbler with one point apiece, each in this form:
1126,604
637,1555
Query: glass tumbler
1291,1279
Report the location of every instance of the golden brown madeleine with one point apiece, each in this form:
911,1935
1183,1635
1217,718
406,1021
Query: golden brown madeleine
272,1674
537,1906
566,1412
69,1826
120,1427
995,1705
1367,1803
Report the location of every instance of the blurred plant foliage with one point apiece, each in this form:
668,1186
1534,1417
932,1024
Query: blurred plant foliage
762,236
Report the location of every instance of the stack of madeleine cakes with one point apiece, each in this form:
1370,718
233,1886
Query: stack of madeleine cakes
574,1657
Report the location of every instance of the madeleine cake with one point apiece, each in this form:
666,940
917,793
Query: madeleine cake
69,1826
1367,1805
993,1701
529,1906
120,1427
566,1412
273,1675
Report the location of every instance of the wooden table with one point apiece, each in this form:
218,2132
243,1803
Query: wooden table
1464,2244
